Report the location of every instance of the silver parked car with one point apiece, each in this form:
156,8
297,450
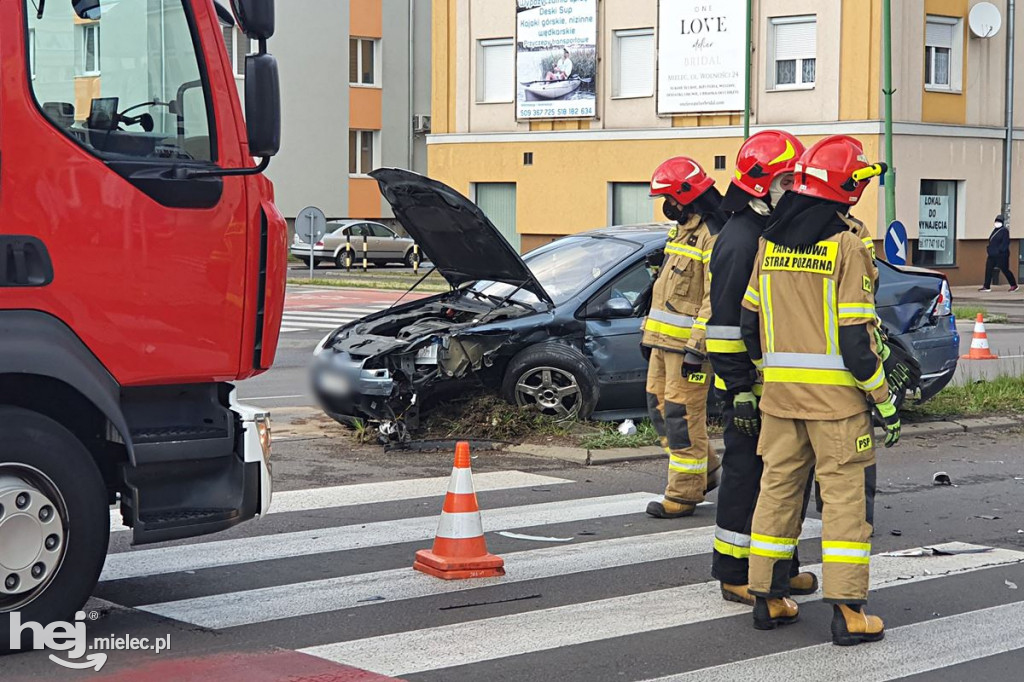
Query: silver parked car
382,243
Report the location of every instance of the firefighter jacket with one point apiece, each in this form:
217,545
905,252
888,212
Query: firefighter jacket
680,302
732,261
860,231
810,323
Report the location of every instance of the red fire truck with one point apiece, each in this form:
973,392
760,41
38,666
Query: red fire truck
142,270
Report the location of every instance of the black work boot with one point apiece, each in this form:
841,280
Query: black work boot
850,625
771,613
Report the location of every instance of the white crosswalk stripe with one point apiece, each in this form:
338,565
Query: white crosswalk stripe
297,320
451,645
283,574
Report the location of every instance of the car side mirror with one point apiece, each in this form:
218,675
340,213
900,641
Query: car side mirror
614,308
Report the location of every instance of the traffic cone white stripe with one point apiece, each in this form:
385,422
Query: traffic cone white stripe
979,343
461,482
460,526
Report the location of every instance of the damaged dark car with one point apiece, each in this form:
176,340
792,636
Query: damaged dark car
557,330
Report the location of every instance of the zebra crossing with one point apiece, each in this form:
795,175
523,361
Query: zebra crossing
609,594
326,319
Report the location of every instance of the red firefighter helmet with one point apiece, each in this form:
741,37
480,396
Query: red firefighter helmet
682,179
763,157
828,169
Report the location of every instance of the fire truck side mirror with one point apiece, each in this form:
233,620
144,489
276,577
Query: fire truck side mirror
262,104
255,18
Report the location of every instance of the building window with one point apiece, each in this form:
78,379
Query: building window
239,46
793,53
631,203
943,47
498,202
633,69
936,241
495,71
362,61
89,44
362,151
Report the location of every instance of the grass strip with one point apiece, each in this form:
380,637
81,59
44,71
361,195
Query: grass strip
966,313
986,397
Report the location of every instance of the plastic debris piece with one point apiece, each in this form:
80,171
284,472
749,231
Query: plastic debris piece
586,532
987,517
372,599
941,478
1012,586
935,551
896,531
627,428
536,538
1020,531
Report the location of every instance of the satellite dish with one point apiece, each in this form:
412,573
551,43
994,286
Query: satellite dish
985,20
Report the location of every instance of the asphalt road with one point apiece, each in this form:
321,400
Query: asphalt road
623,597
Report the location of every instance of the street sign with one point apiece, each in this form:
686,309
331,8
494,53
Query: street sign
896,243
310,224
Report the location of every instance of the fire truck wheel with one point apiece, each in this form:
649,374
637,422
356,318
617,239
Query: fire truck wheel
54,522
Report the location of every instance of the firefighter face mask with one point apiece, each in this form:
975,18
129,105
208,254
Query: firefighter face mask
673,211
781,184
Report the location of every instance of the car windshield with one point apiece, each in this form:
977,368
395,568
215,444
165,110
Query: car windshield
565,267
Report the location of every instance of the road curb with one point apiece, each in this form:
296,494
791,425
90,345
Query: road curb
593,457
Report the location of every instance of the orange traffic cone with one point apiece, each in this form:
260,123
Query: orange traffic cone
979,344
460,550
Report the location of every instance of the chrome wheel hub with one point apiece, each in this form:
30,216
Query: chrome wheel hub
32,533
551,391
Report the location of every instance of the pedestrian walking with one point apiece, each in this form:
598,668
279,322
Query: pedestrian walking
679,374
809,315
999,255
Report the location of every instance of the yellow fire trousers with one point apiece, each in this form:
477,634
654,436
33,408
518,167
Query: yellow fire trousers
678,409
843,454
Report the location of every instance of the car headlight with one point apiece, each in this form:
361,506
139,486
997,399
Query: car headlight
323,344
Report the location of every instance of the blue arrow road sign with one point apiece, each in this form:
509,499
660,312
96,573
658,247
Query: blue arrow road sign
896,243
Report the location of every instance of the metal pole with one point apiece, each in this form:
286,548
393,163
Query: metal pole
312,238
890,174
746,73
1008,145
412,89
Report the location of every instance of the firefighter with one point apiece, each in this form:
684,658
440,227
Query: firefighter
678,376
764,172
809,316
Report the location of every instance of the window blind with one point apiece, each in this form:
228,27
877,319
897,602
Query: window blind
635,75
496,80
796,40
938,34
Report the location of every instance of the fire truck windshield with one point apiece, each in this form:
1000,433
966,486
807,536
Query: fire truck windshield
125,83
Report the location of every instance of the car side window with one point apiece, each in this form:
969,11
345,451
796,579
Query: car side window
634,285
358,230
380,231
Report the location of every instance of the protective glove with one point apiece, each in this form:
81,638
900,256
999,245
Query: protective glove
746,417
902,371
880,342
693,363
646,352
889,417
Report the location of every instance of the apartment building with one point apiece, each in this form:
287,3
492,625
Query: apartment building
355,91
654,79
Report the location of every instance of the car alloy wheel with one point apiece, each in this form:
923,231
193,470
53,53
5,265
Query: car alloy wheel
551,391
33,534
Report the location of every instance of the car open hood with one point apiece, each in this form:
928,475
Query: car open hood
453,232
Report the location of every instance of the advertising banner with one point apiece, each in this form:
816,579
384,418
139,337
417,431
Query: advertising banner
933,225
701,47
556,58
